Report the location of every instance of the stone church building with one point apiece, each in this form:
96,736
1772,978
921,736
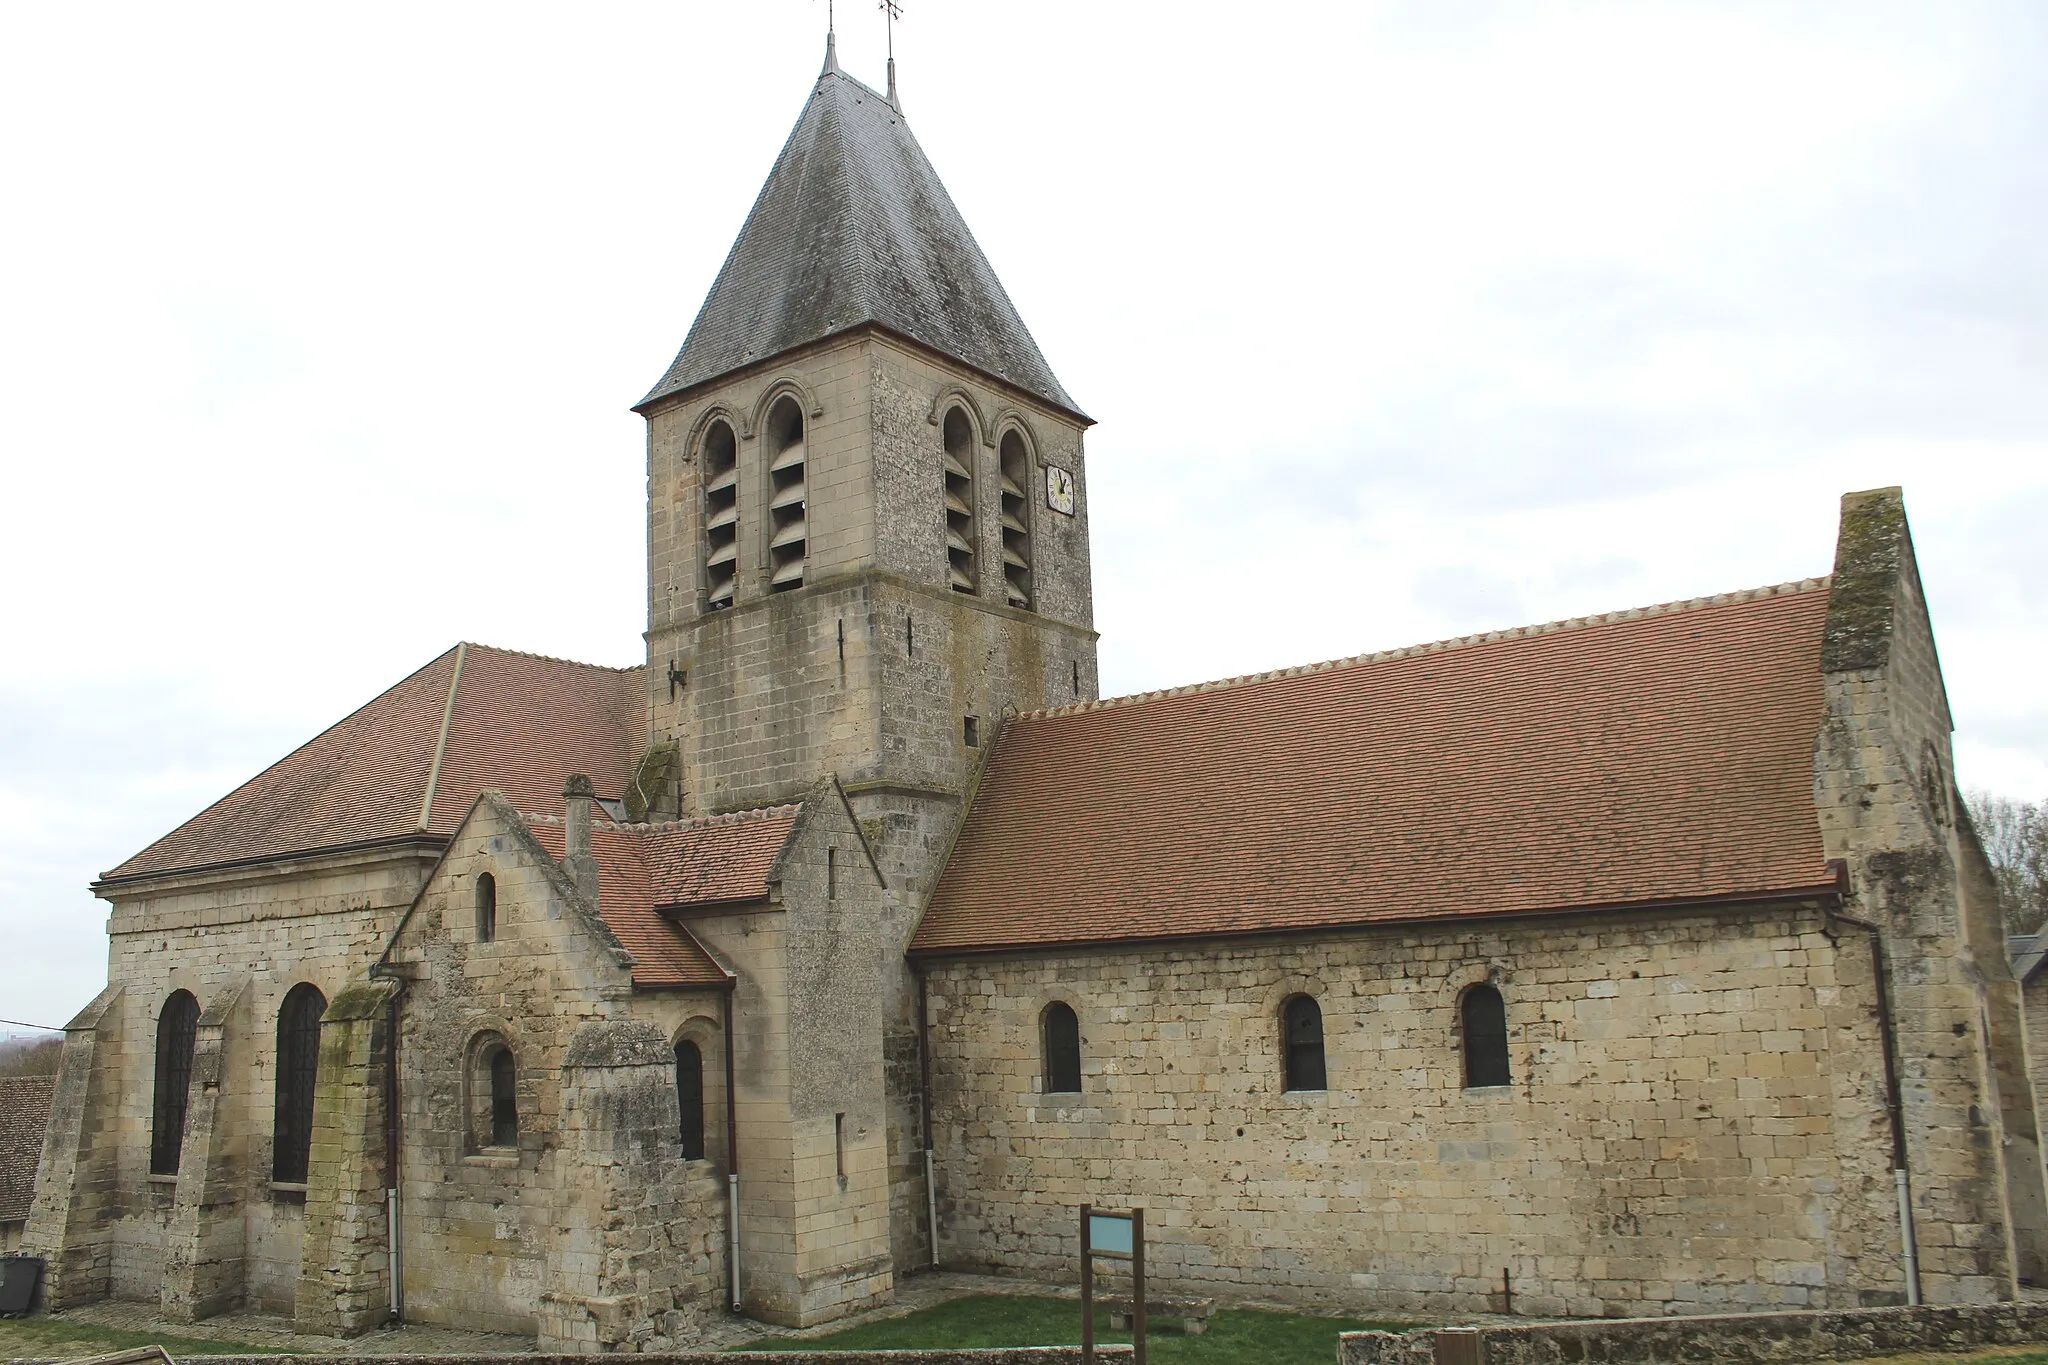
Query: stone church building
1645,963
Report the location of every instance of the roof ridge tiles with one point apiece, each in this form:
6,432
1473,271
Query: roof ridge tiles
1436,646
554,658
737,817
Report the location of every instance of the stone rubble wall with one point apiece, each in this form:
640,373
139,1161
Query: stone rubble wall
1737,1339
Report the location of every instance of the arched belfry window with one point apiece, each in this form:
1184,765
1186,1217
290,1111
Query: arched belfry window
177,1028
788,531
1483,1018
298,1066
958,462
690,1097
1016,516
721,466
1301,1039
486,908
1062,1044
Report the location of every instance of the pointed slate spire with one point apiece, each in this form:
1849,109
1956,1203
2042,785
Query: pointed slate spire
853,228
831,55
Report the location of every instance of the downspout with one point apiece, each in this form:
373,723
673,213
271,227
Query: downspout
394,1265
1880,970
732,1157
924,1091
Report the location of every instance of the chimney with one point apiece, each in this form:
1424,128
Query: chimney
577,862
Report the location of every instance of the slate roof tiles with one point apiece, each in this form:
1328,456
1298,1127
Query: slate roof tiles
1657,755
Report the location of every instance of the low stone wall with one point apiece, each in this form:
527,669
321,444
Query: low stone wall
1731,1339
1015,1355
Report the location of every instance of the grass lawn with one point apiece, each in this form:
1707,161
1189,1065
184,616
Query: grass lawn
1235,1337
29,1337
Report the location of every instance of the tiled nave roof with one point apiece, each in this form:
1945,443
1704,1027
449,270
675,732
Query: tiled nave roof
1656,755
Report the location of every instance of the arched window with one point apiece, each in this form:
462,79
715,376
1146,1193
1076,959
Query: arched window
486,907
298,1064
958,462
788,531
177,1025
504,1097
690,1097
1016,465
1062,1049
1301,1029
721,465
1484,1020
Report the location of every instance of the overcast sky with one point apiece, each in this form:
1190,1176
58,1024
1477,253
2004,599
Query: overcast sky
319,328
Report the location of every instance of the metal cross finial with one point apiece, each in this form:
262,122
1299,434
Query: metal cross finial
895,11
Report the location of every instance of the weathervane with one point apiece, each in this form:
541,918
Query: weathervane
895,12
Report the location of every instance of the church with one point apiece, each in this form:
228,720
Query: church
1637,964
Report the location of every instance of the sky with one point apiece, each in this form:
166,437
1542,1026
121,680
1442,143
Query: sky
320,325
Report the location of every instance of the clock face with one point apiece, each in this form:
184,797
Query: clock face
1059,489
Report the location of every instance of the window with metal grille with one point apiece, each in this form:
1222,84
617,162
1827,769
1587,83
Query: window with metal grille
721,465
788,529
298,1063
1483,1016
504,1098
486,907
958,473
690,1094
177,1027
1301,1025
1062,1050
1016,518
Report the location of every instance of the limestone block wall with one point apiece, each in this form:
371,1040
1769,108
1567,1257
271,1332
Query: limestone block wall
1696,1119
259,930
478,1221
77,1193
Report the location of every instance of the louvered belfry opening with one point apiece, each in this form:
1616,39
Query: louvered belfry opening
787,529
177,1028
1016,464
298,1066
958,459
721,515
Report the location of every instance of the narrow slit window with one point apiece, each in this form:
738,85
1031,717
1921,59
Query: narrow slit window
177,1030
831,874
298,1067
970,731
1302,1041
839,1144
1483,1017
958,461
721,465
486,908
504,1098
1062,1044
690,1098
1016,518
788,524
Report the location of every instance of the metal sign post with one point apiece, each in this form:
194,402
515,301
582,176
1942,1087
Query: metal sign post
1118,1237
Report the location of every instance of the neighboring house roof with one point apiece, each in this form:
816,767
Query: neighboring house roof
411,761
1658,755
24,1118
2027,952
854,227
646,870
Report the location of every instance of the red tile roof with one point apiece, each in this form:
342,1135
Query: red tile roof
665,955
718,861
24,1116
518,722
1651,756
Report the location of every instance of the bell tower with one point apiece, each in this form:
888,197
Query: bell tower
867,518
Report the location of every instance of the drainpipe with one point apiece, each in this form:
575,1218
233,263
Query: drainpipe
1894,1104
732,1158
394,1265
924,1090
